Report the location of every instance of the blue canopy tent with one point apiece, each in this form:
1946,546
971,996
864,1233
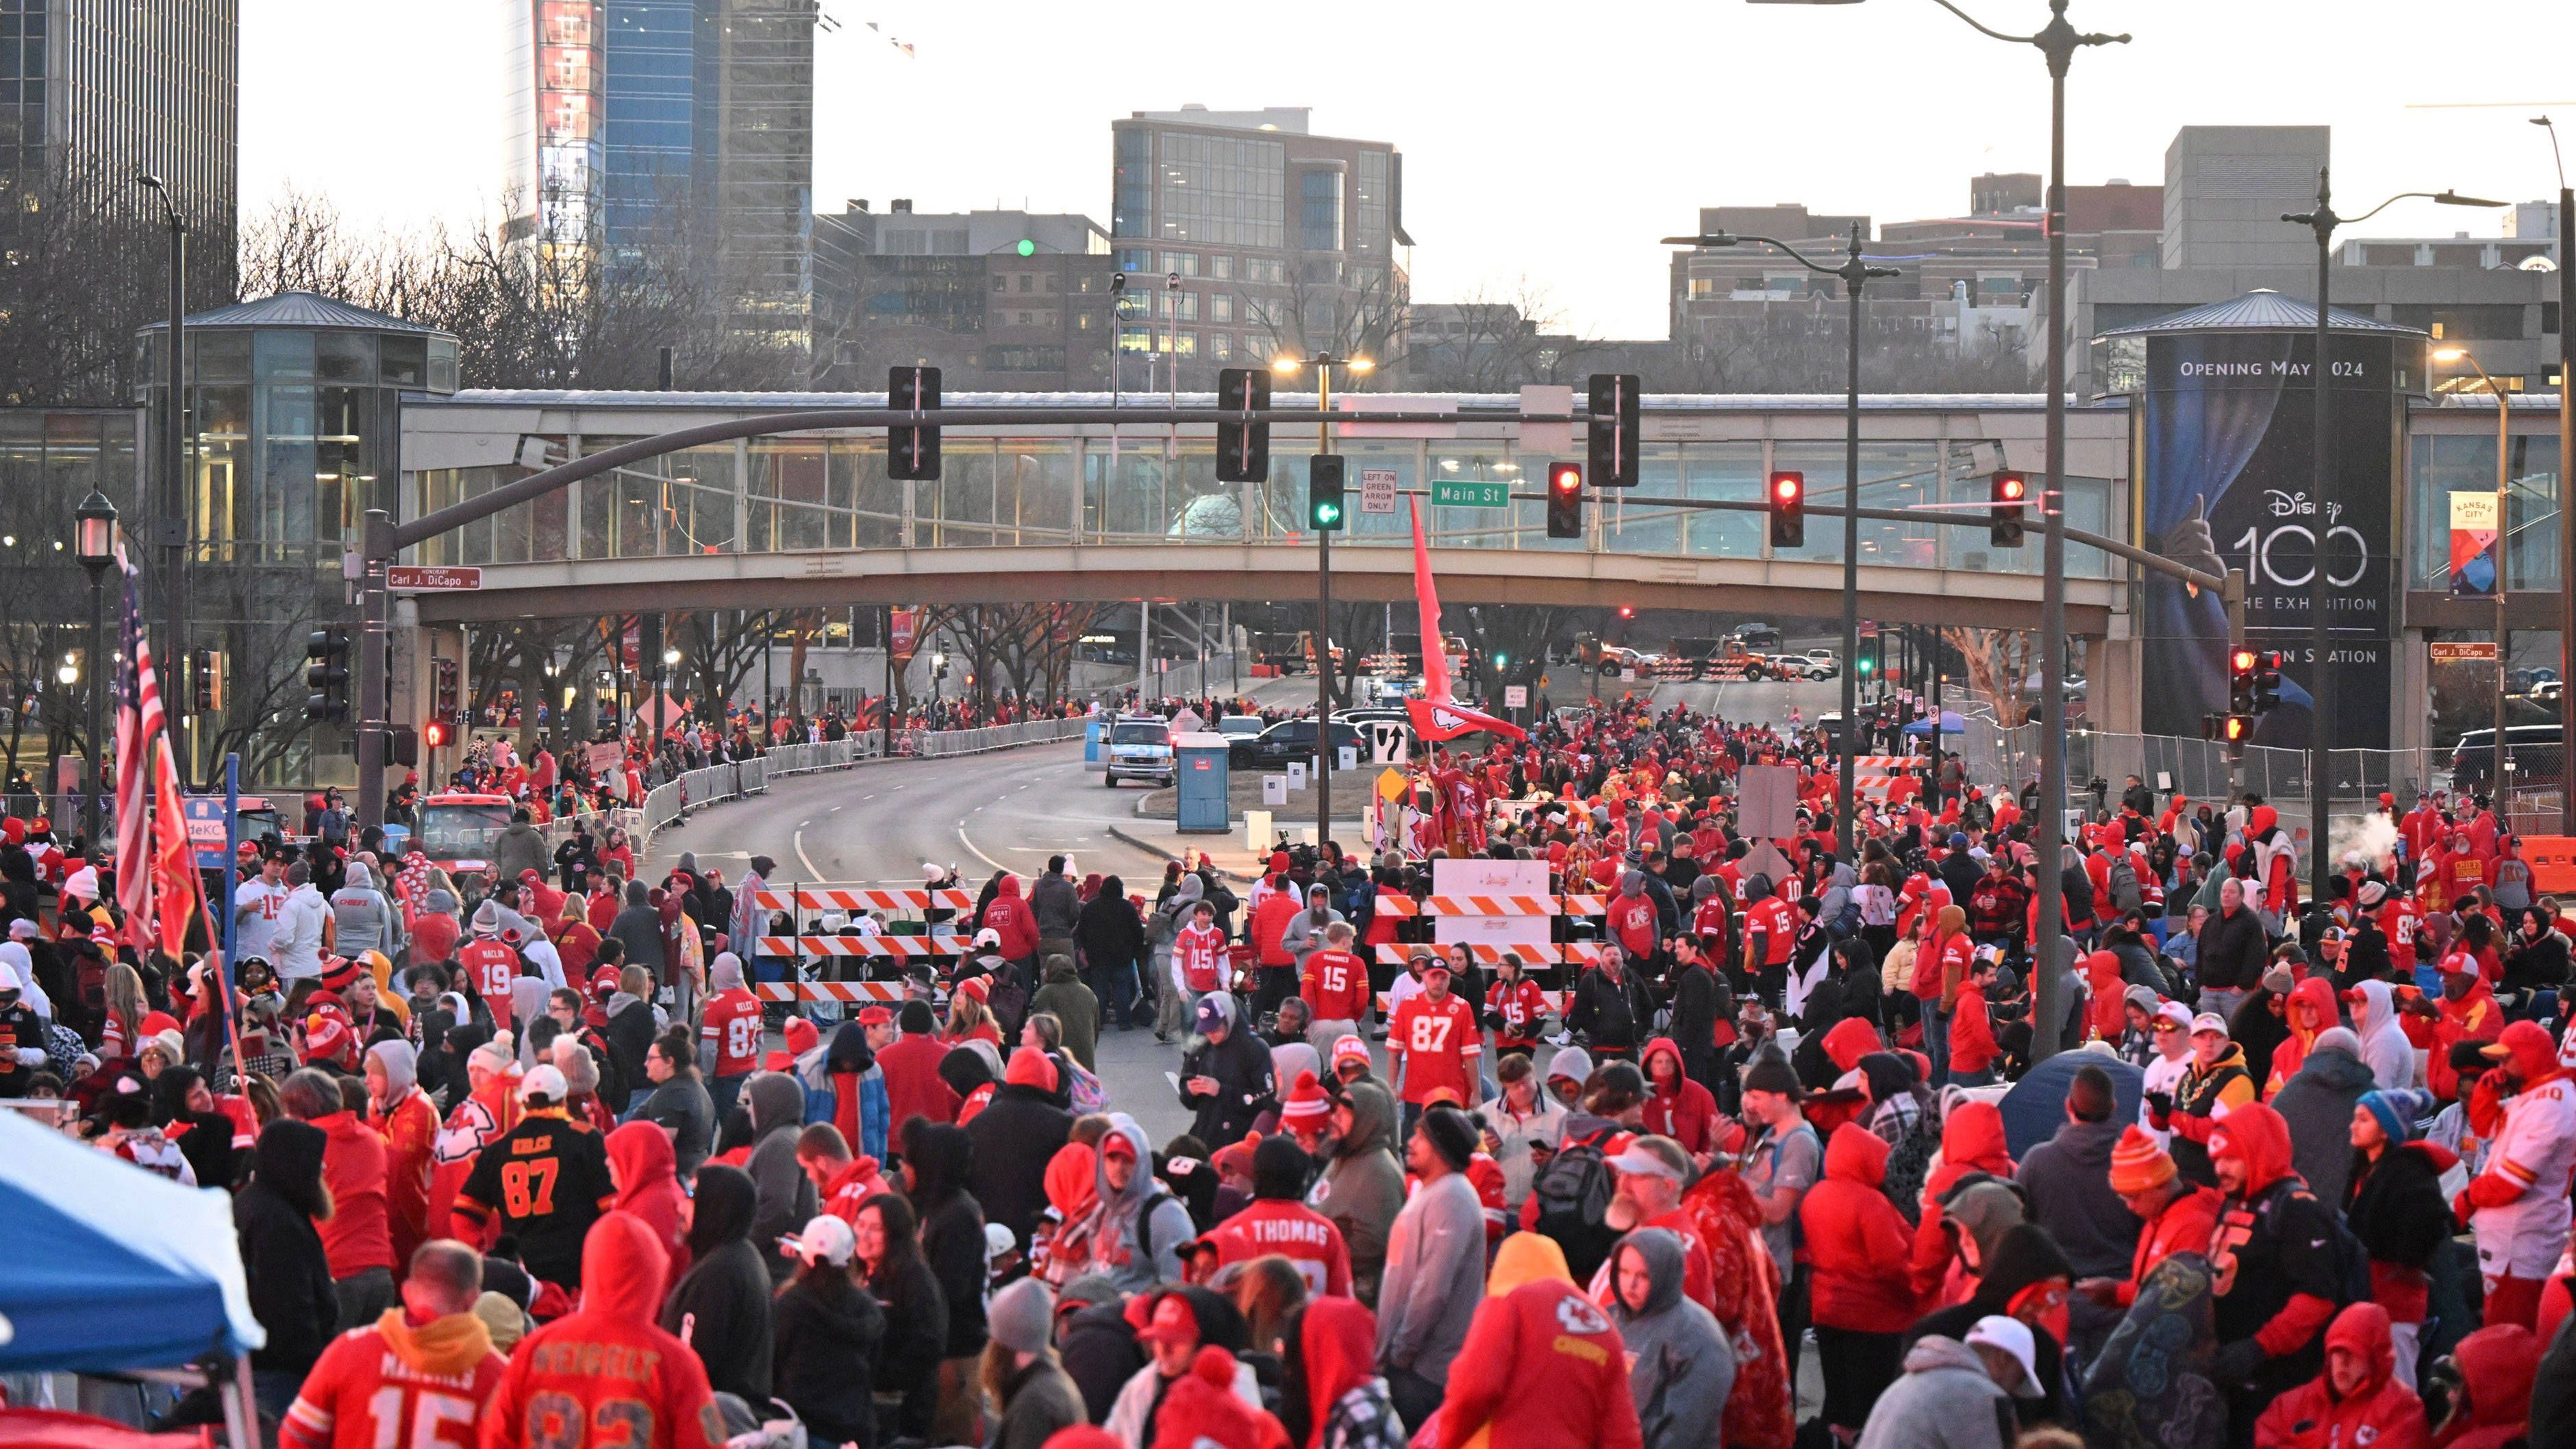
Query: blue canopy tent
1951,724
111,1267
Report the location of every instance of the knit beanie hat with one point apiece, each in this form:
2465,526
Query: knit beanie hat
2398,1110
1451,1134
1306,1102
1021,1317
2138,1163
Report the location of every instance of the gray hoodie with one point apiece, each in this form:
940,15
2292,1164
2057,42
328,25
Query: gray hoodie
1943,1400
1111,1229
1305,933
2384,1047
361,919
1680,1366
1362,1188
786,1194
1435,1277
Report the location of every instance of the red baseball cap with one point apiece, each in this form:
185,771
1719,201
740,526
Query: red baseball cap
1174,1321
874,1016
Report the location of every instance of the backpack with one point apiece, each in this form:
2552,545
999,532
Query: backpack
1085,1089
1573,1195
2125,895
1909,1164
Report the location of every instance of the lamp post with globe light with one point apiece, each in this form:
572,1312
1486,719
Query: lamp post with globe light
94,542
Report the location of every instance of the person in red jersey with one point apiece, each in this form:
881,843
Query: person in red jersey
729,1039
1435,1041
1276,1221
417,1377
1335,983
607,1375
490,964
1515,1006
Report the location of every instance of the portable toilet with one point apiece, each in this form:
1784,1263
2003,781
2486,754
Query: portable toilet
1199,770
1095,736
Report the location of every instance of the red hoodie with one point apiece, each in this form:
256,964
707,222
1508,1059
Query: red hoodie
2380,1412
2497,1366
648,1185
1339,1336
1269,928
1972,1034
1542,1368
1856,1239
913,1087
1010,918
357,1236
1972,1140
607,1373
1687,1114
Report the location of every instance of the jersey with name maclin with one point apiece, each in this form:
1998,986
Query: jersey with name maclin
1434,1040
731,1036
491,966
361,1394
547,1181
1337,986
1295,1232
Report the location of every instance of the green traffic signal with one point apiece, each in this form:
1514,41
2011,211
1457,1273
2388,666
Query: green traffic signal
1028,248
1328,515
1867,665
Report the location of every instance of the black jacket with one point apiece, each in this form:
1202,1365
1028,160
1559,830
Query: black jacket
721,1306
952,1226
2395,1205
1245,1087
1098,1348
2232,950
281,1252
1109,933
1695,1013
916,1323
1016,1135
1613,1016
829,1335
630,1036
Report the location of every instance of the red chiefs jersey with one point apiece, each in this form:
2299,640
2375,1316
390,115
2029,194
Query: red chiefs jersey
1293,1231
1202,957
1434,1040
730,1040
1521,1006
1709,918
1776,921
491,966
1336,985
363,1393
2397,918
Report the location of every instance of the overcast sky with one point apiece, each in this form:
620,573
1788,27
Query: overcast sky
1553,143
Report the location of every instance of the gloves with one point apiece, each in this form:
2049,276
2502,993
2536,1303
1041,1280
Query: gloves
2160,1103
2462,1208
2237,1363
32,1056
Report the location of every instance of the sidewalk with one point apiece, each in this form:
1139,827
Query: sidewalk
1234,858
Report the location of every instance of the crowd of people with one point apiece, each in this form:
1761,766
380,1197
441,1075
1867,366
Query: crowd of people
2278,1170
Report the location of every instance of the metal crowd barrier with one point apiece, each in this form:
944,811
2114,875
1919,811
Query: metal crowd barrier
671,802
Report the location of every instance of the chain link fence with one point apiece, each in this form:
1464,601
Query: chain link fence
2200,768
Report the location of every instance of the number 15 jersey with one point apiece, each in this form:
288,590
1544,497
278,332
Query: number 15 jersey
407,1389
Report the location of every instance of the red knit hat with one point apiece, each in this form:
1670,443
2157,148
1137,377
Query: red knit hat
1030,1068
976,986
2139,1163
338,972
802,1036
1306,1102
326,1038
1201,1408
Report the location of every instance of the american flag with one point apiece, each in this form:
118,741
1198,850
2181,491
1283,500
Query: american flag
138,726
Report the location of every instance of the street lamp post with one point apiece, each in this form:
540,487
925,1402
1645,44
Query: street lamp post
94,542
2566,471
2057,42
2504,540
2322,222
172,523
1324,363
1855,273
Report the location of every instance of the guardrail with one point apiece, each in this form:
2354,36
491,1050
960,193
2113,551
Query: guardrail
669,803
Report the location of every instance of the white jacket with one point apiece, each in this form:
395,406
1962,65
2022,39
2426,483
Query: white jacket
1127,1416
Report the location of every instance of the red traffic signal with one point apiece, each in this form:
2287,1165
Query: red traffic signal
1788,509
2005,492
1565,478
1565,500
434,734
1627,611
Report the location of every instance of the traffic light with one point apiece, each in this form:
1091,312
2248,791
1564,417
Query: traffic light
2267,681
1610,434
1243,449
402,746
446,698
326,674
1627,611
2241,664
2007,490
1324,492
1788,506
437,733
206,680
1865,665
1565,500
912,452
2228,729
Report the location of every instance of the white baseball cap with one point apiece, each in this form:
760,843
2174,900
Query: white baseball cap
2013,1337
544,1081
826,1239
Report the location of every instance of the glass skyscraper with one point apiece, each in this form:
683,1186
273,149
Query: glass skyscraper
682,124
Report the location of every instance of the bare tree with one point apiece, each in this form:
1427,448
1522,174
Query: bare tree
2000,663
1494,340
84,264
1354,311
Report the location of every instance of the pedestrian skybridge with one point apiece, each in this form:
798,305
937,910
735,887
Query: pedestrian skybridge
1088,511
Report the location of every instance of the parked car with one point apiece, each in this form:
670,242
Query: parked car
1140,748
1824,663
1241,726
1291,739
2532,750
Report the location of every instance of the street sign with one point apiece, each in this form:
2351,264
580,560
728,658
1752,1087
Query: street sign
425,577
206,829
1391,785
1377,490
2462,651
1390,741
1766,801
1515,696
1459,493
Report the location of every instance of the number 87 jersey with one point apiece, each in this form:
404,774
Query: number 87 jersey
419,1389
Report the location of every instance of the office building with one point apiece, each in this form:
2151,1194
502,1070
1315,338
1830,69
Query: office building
678,127
997,300
1245,236
103,90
